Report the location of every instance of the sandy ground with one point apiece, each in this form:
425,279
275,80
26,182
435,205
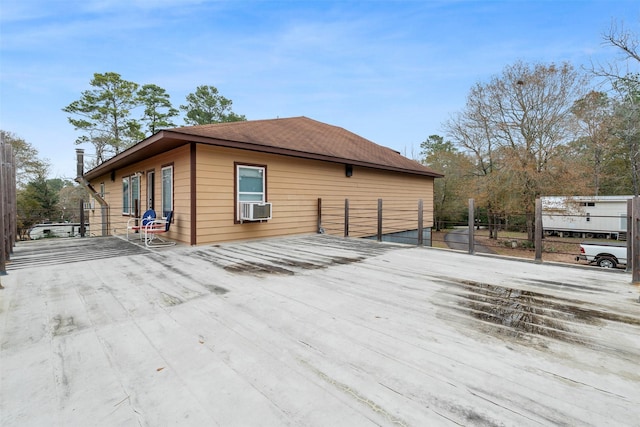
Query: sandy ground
311,331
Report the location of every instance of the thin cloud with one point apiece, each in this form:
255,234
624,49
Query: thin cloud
390,71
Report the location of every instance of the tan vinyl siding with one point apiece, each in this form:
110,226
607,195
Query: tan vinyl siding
180,227
293,187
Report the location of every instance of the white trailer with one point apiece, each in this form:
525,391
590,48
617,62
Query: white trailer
58,229
600,217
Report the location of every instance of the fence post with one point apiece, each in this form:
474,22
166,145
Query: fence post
420,223
4,193
538,230
629,235
8,208
379,220
472,238
635,234
83,230
13,204
346,217
320,215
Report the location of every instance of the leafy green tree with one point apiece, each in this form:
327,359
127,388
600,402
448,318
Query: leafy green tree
28,165
28,214
37,202
436,144
70,197
39,199
158,110
105,115
449,191
206,106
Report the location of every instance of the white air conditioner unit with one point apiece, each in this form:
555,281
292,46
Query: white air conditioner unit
255,211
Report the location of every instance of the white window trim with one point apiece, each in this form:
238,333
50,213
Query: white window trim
133,197
126,198
130,208
264,186
263,169
162,205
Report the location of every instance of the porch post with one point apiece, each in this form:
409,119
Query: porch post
346,217
319,229
420,223
379,220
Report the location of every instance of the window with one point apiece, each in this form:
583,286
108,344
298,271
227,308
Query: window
167,190
126,196
151,189
250,184
130,193
135,193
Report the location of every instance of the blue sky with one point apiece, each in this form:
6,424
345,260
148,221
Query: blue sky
390,71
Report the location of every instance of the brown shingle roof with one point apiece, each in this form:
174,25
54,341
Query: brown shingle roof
297,136
309,138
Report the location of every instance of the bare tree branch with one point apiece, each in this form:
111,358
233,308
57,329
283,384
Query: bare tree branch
624,40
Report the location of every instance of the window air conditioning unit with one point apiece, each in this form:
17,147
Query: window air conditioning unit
255,211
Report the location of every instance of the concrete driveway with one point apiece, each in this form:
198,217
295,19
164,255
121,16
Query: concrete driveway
458,239
311,331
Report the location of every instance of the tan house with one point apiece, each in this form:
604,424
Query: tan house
252,179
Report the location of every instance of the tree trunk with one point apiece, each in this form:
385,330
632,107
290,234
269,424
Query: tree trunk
530,227
494,225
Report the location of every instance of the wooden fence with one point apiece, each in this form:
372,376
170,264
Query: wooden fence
7,204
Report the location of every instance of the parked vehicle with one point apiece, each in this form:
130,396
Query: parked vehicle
605,255
59,229
585,216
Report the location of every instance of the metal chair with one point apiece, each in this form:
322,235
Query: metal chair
157,226
135,225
